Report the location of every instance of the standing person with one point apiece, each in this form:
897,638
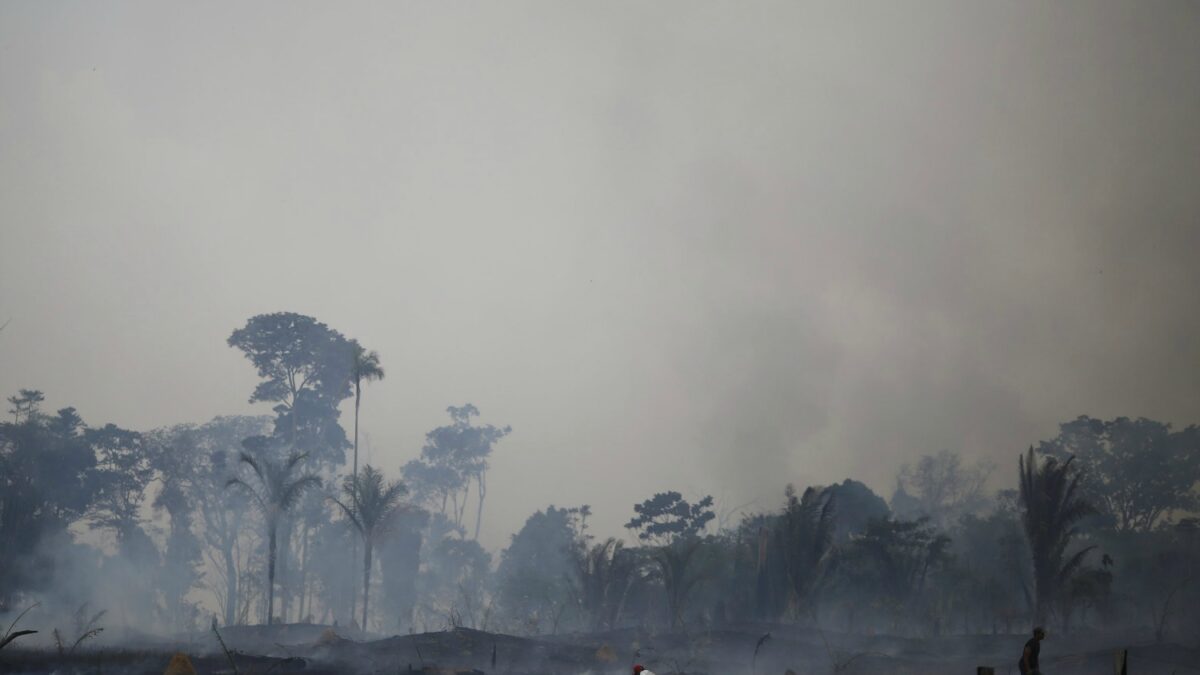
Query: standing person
1029,657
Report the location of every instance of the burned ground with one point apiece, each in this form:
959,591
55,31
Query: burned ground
316,649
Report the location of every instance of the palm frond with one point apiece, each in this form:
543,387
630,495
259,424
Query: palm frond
249,490
252,462
350,513
292,491
294,459
1071,566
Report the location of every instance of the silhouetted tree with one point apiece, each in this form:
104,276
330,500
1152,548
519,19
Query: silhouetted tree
605,573
400,564
453,456
48,480
364,367
534,576
673,526
371,505
214,448
123,471
177,463
857,504
306,367
1051,510
278,490
25,403
804,535
892,562
1135,472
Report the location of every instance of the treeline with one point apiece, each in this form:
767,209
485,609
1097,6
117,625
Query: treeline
258,519
1099,532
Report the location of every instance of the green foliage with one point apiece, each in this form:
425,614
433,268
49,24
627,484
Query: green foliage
1051,511
1135,471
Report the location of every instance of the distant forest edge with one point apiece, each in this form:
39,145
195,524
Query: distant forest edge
246,519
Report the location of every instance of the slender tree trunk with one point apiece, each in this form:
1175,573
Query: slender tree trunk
357,400
271,576
285,586
231,585
303,574
354,541
366,580
479,510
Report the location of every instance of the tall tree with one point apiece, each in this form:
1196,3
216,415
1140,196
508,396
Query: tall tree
605,574
278,489
25,403
372,505
453,456
177,465
305,367
1051,511
400,565
857,505
124,470
1136,471
213,448
534,576
364,367
804,535
673,526
48,480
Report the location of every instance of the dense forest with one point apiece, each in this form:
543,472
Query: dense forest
245,520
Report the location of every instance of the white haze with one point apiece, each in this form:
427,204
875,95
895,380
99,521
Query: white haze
713,247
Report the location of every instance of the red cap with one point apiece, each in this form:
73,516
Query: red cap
638,669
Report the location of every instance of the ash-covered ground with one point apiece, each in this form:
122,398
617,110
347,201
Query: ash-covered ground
737,649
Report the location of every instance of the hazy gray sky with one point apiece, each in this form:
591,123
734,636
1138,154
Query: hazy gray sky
701,246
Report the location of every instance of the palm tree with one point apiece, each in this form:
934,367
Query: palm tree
805,537
1050,514
373,505
364,367
279,489
605,572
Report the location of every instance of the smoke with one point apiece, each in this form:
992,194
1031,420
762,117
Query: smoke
719,250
